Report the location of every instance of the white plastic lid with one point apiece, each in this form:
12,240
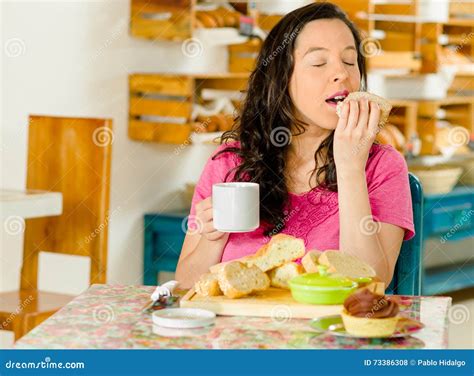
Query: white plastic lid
183,318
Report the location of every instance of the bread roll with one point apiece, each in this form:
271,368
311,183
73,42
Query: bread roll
237,280
346,265
385,137
208,285
398,137
280,276
310,261
385,106
232,19
218,16
206,19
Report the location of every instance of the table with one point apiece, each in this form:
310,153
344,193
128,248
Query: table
110,316
30,203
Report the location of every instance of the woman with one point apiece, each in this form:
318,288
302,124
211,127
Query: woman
322,178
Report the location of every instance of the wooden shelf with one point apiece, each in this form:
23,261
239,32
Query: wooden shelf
175,20
459,22
459,111
404,117
408,40
220,75
160,105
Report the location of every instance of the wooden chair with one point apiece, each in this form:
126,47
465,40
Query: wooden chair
72,156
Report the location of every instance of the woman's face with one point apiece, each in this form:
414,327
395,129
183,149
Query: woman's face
325,64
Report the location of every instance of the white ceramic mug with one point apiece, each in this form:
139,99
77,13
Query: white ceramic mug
236,206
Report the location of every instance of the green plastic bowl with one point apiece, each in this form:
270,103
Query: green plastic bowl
316,288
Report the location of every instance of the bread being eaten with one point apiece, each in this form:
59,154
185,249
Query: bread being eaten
384,104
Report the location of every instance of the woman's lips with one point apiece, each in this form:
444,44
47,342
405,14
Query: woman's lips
332,104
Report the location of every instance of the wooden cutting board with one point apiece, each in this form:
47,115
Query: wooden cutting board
272,302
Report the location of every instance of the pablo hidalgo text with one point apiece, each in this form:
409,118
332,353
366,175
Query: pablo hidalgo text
441,362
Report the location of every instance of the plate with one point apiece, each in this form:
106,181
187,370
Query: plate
333,325
179,332
183,318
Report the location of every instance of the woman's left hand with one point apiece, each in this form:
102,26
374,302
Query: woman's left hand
354,135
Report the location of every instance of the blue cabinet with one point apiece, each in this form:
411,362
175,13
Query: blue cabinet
449,217
164,235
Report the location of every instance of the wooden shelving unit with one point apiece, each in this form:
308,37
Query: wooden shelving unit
459,111
404,117
161,105
162,19
406,40
176,20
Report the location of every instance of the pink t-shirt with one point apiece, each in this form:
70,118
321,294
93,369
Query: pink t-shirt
314,216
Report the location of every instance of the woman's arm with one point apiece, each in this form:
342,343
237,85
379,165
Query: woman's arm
202,247
378,244
197,255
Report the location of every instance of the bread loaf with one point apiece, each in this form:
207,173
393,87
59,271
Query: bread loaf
278,251
385,106
280,276
237,280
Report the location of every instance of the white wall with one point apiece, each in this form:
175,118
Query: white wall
73,58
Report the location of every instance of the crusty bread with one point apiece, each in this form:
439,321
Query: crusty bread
208,285
280,276
310,261
215,269
385,106
237,280
345,264
278,251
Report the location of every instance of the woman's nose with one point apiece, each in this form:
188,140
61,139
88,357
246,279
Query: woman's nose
340,72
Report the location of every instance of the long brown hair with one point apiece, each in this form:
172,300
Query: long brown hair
268,109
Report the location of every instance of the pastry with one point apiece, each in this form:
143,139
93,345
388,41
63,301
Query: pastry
367,314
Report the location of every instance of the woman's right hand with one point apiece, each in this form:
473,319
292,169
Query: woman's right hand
205,224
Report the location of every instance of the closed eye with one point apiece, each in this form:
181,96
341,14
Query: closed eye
320,65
